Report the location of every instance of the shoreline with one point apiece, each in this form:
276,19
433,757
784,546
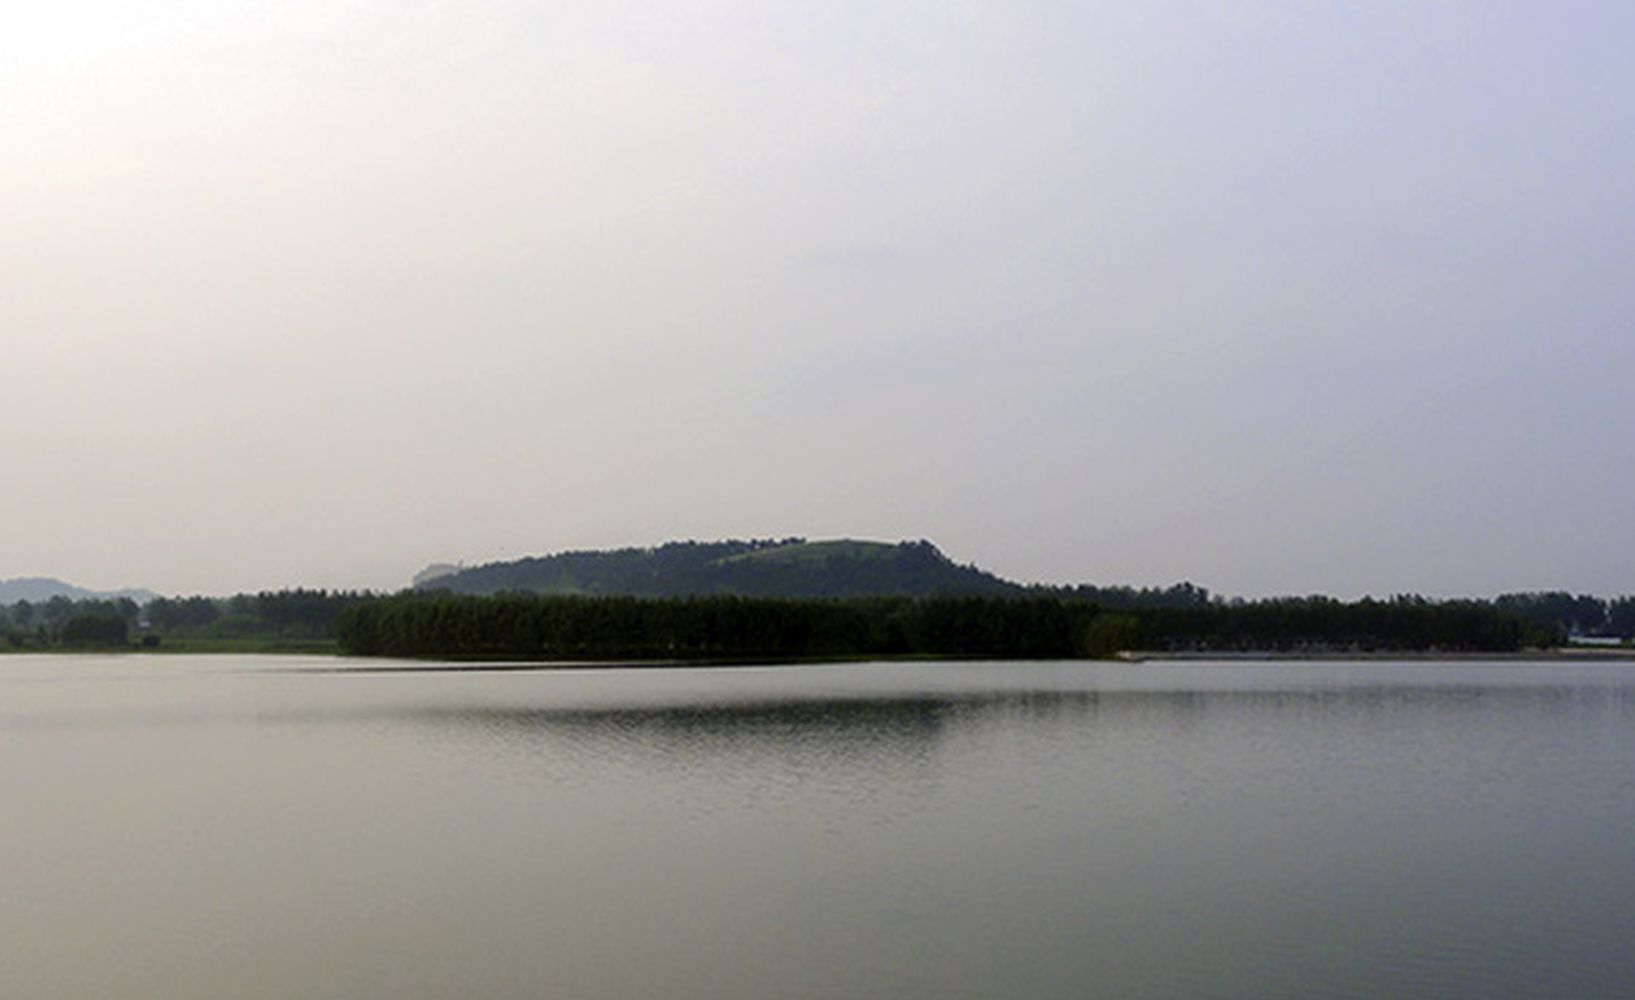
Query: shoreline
351,663
1561,655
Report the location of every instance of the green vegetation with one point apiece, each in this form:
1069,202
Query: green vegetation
790,567
544,627
272,621
1111,633
1402,624
1573,614
787,598
540,627
96,629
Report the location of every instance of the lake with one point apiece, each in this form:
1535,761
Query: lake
247,827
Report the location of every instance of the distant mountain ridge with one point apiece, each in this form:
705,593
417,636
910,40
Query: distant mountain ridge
36,589
789,567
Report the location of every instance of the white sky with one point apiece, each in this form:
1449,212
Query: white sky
1273,296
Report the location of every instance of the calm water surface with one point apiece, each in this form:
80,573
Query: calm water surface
202,827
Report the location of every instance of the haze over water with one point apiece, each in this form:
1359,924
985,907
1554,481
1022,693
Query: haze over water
273,827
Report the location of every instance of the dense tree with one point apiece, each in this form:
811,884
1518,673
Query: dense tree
96,628
528,626
1036,622
1111,633
786,567
566,628
1621,617
171,613
55,612
1573,614
282,614
1404,623
1180,595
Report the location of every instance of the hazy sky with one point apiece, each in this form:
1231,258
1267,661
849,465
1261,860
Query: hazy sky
1273,296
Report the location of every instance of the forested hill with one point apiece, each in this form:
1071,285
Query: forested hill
790,567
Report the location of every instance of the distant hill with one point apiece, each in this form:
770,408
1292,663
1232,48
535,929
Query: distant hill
37,589
435,571
791,567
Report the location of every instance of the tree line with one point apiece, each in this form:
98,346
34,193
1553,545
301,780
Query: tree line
538,627
532,626
1055,622
1401,624
282,615
1574,614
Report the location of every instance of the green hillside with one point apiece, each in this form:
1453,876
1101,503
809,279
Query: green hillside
791,567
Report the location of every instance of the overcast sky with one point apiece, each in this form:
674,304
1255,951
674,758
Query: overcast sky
1278,297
